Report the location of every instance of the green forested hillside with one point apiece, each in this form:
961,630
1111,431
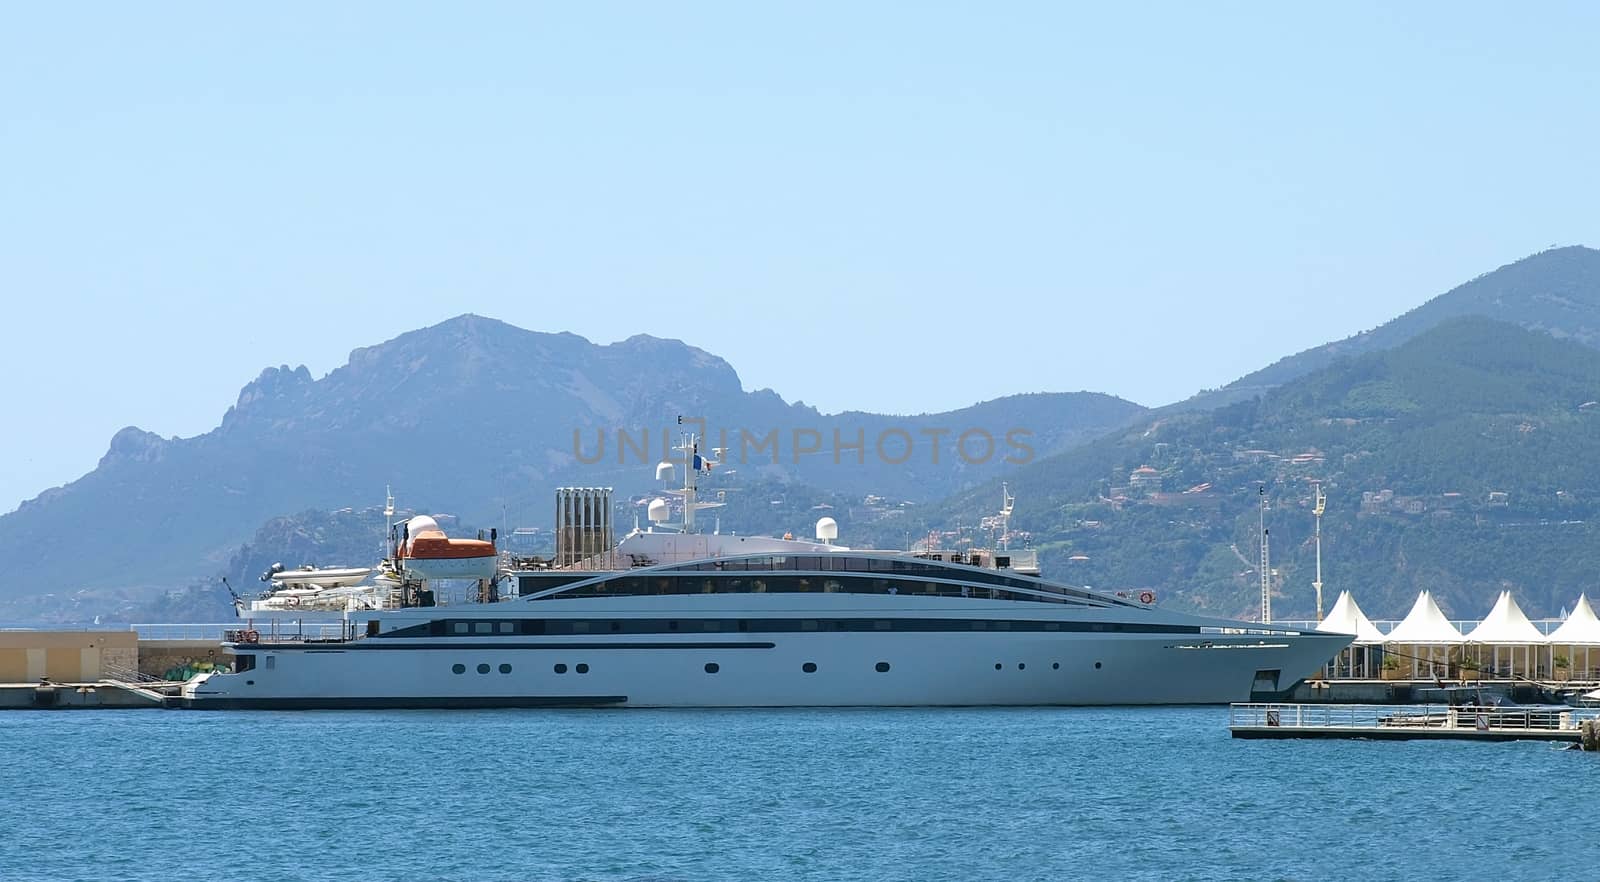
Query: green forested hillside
1466,461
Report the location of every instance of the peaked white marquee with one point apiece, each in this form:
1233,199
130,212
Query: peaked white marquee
1425,624
1347,618
1582,626
1506,623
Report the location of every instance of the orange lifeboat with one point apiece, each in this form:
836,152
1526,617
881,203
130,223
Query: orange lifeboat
429,554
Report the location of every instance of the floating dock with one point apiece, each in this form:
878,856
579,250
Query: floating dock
1415,722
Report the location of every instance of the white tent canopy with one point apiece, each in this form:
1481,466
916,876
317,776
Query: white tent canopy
1506,624
1425,625
1347,618
1582,626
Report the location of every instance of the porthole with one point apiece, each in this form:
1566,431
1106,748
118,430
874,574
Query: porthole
505,669
1097,666
459,668
998,666
712,667
583,669
1056,666
809,667
561,669
883,667
1021,666
483,668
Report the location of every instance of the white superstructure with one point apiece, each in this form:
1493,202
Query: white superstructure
671,618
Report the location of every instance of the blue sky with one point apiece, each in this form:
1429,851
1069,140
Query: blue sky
887,207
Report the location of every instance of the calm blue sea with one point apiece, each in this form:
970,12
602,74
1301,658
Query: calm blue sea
753,795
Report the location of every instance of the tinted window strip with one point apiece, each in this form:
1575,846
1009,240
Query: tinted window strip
596,627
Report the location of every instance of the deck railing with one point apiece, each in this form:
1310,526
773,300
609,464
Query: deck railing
267,631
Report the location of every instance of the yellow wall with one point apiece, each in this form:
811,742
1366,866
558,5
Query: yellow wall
62,656
13,665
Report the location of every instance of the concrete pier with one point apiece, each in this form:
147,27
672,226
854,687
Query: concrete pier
101,694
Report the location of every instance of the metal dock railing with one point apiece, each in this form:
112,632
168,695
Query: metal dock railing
1391,722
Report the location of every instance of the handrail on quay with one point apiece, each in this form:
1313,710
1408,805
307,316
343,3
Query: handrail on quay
1274,720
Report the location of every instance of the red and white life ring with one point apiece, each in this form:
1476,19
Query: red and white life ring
251,636
291,602
1147,597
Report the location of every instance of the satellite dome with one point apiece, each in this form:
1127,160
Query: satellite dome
827,529
658,510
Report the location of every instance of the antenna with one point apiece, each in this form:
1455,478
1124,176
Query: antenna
693,465
1321,506
1007,502
1266,564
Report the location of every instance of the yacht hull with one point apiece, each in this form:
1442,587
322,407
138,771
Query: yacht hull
756,670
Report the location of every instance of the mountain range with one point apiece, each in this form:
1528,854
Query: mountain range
482,420
1460,462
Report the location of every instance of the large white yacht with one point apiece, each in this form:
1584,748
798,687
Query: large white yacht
670,617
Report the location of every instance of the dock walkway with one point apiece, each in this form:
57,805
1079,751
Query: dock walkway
1388,722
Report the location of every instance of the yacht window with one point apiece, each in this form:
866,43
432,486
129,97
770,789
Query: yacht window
508,627
882,667
713,625
483,627
580,627
583,669
881,625
272,662
458,668
483,669
242,663
712,667
808,625
561,669
458,627
505,669
809,667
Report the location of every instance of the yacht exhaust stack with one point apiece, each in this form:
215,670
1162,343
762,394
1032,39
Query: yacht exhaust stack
583,524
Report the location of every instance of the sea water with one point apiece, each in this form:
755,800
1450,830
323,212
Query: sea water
890,794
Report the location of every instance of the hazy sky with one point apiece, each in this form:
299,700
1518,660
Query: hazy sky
895,208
